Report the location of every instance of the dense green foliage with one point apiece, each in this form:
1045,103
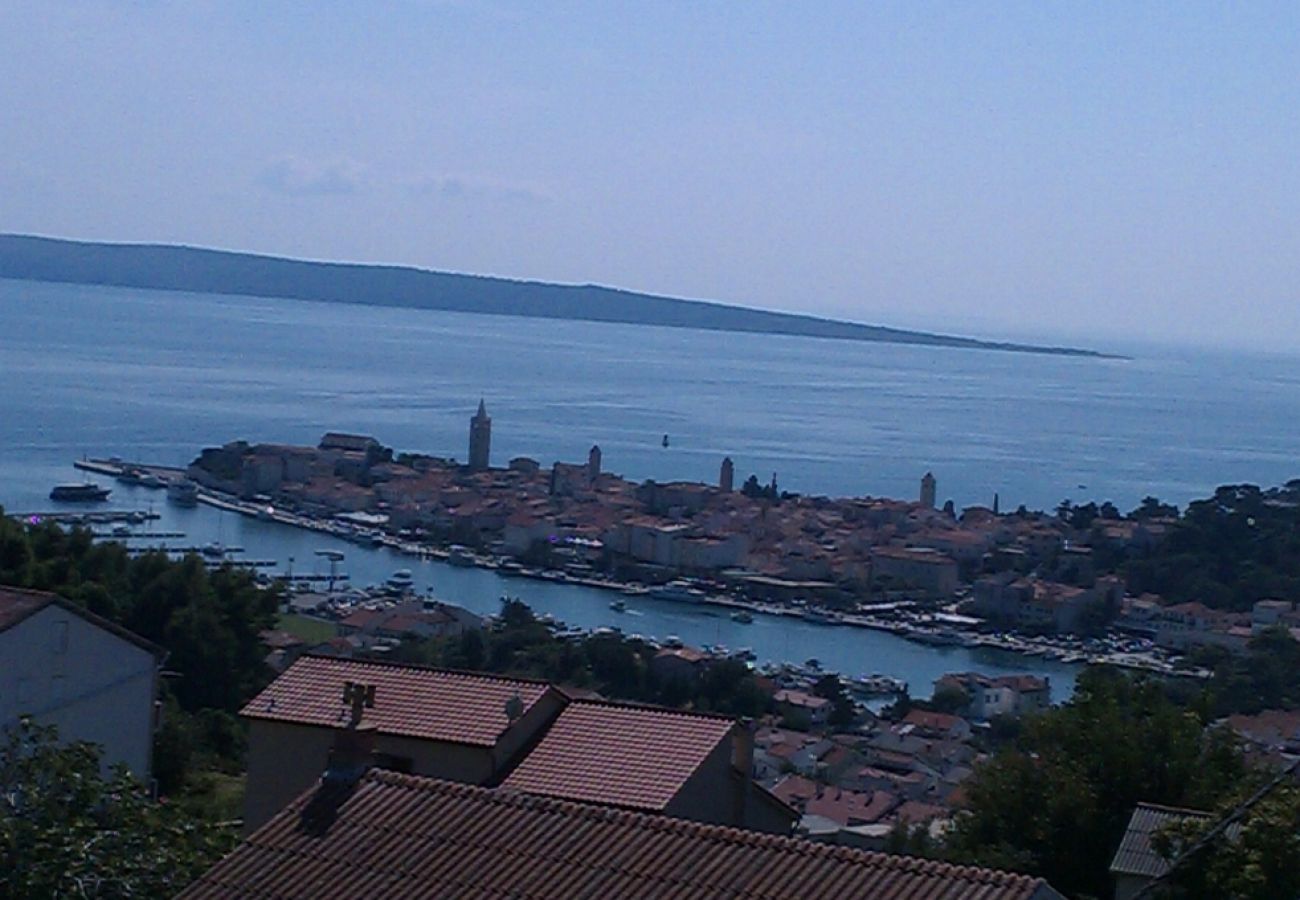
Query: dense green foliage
615,666
1228,551
1056,803
1259,861
1267,676
66,830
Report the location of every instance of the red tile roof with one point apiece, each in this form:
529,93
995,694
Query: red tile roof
404,836
412,701
934,721
619,754
851,807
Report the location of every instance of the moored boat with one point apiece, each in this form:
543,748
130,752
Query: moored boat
183,492
79,493
679,591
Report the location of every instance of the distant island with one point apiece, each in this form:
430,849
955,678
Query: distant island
180,268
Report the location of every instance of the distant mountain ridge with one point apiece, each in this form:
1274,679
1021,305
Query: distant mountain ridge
182,268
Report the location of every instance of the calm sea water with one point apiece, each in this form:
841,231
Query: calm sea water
156,376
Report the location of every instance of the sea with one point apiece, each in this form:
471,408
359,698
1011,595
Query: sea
156,376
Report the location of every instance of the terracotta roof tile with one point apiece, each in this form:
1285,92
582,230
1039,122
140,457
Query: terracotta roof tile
403,836
413,701
619,754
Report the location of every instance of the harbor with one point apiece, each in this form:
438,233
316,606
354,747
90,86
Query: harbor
301,548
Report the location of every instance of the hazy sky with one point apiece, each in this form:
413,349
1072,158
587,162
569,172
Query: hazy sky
1076,169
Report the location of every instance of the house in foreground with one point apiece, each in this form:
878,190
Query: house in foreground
460,726
90,678
388,834
490,730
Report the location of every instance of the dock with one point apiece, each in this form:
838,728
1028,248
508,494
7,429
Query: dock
113,468
102,517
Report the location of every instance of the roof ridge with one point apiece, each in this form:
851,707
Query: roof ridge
423,667
1181,810
701,830
650,707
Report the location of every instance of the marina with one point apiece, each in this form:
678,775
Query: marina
325,554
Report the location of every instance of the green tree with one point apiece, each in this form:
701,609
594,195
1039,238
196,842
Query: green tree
66,830
1257,860
1058,801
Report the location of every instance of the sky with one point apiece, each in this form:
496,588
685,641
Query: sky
1089,171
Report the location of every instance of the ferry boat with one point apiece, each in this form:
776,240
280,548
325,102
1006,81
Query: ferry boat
79,493
679,591
183,492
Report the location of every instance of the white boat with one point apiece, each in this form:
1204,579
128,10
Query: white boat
459,556
819,617
679,592
183,492
618,606
214,550
401,580
742,616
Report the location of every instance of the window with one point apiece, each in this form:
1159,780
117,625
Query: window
59,643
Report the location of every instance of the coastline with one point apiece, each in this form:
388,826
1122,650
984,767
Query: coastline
926,630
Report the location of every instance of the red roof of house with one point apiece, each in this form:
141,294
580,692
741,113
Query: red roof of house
795,789
362,618
395,835
619,754
851,807
413,701
936,721
913,812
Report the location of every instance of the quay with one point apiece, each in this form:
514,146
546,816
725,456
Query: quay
115,468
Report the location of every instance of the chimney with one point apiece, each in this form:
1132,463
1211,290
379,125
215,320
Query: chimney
742,760
354,744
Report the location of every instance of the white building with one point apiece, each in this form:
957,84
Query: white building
94,680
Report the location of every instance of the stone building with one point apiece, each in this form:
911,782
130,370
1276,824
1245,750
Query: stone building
480,439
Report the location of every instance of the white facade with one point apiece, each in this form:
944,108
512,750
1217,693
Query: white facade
86,680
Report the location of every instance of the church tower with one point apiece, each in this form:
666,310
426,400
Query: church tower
480,438
928,488
593,463
727,476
